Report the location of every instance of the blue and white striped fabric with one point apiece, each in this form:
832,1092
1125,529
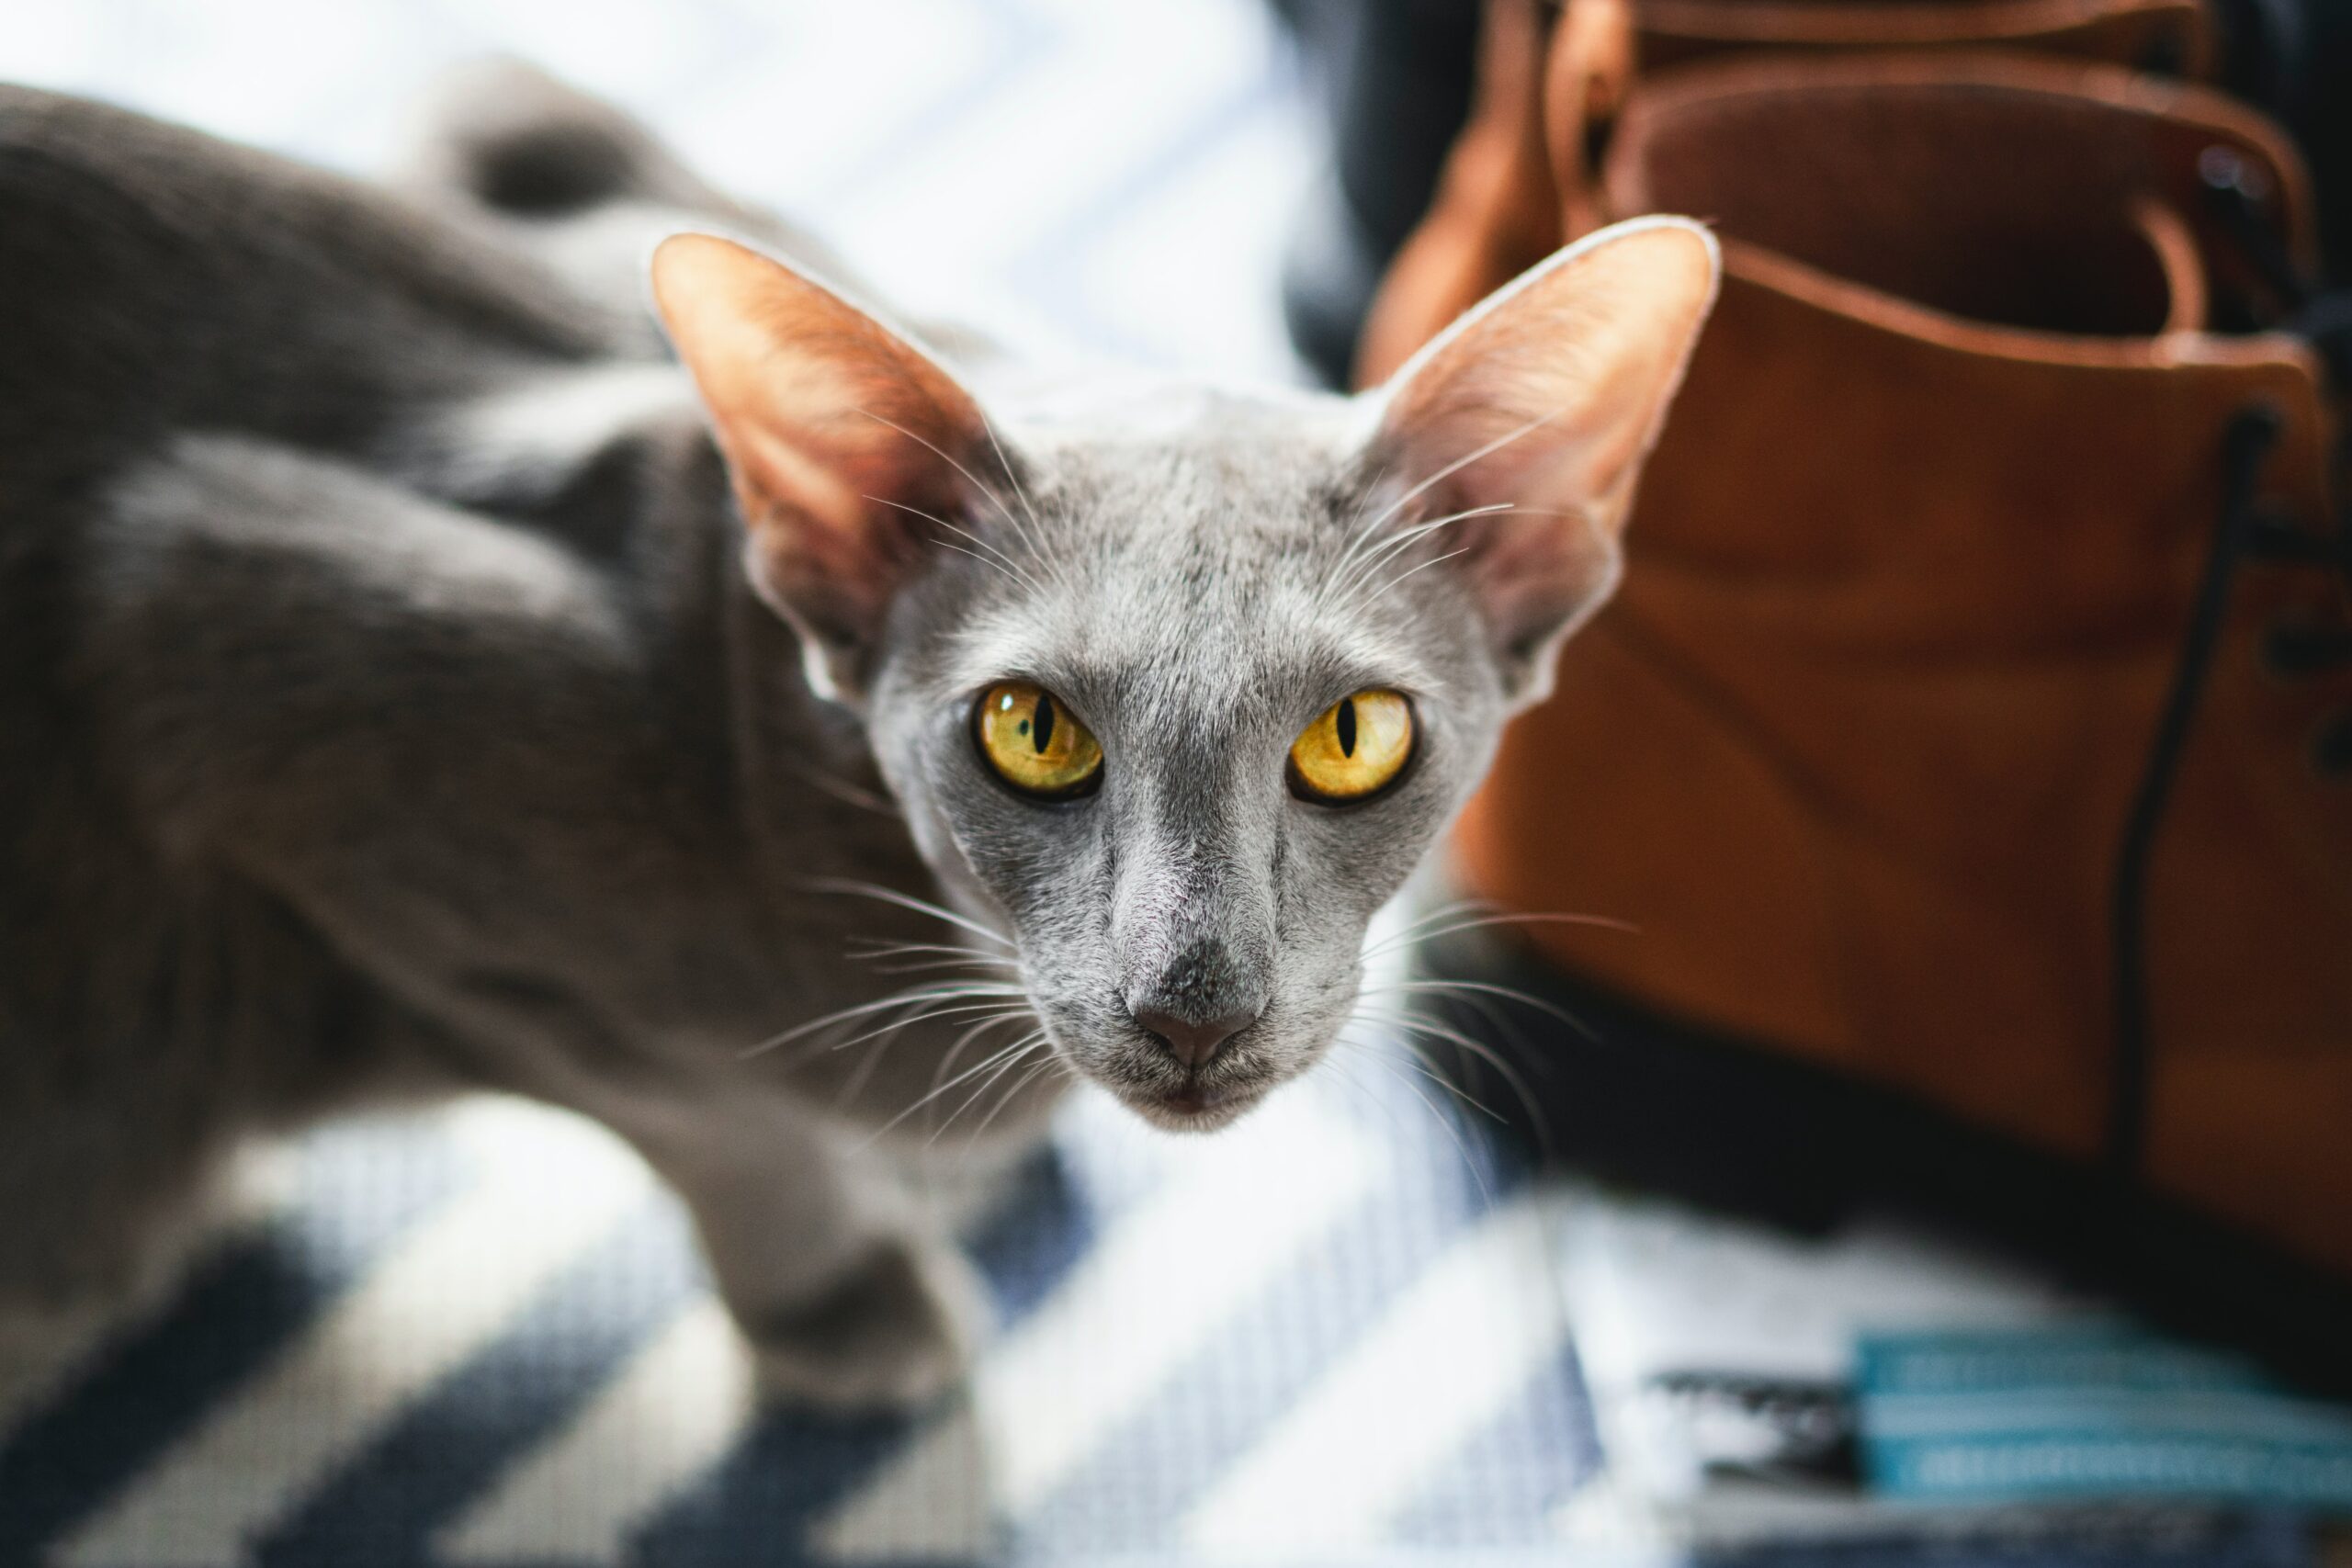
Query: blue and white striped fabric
484,1338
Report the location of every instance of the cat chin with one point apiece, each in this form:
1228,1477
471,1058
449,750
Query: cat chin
1192,1110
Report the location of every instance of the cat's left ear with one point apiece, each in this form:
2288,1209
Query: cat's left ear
1545,401
840,436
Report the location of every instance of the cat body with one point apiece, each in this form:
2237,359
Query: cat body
402,693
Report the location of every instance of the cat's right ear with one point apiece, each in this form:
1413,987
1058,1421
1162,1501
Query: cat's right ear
839,434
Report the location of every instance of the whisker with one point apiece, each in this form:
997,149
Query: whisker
1413,1059
995,557
1357,530
855,1083
1387,548
969,478
1432,985
1465,1045
1004,463
1447,472
1452,1131
931,965
907,901
1001,571
912,996
1339,1060
1019,1088
1417,1023
847,793
1390,586
933,1016
1037,1043
1411,936
1037,547
1445,911
1396,544
879,950
964,1077
1363,501
955,1051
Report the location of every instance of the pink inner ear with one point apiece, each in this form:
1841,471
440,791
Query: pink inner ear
1546,399
841,434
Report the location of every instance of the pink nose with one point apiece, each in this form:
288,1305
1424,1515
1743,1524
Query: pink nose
1194,1044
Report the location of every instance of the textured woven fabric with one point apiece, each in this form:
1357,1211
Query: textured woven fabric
484,1338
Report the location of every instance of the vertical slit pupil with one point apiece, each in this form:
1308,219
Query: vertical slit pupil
1346,725
1042,734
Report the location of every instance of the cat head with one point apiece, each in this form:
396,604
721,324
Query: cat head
1176,686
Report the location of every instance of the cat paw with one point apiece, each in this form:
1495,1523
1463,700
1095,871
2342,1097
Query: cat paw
894,1331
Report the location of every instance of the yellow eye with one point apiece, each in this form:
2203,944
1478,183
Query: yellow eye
1033,743
1359,745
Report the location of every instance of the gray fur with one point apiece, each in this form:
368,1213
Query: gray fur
1180,596
383,713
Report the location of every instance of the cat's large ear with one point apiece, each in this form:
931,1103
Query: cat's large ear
839,434
1544,400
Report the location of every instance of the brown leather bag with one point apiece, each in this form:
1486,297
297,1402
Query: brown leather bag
1871,747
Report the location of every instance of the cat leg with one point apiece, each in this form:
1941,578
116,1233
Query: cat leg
846,1298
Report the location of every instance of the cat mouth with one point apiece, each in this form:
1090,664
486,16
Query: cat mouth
1175,1098
1194,1110
1193,1105
1194,1101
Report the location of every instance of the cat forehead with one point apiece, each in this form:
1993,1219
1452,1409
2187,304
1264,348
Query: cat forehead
1201,600
1112,624
1185,537
1245,494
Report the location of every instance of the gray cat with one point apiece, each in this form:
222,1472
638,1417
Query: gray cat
408,685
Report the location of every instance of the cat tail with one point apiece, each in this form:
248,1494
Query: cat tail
507,140
505,135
